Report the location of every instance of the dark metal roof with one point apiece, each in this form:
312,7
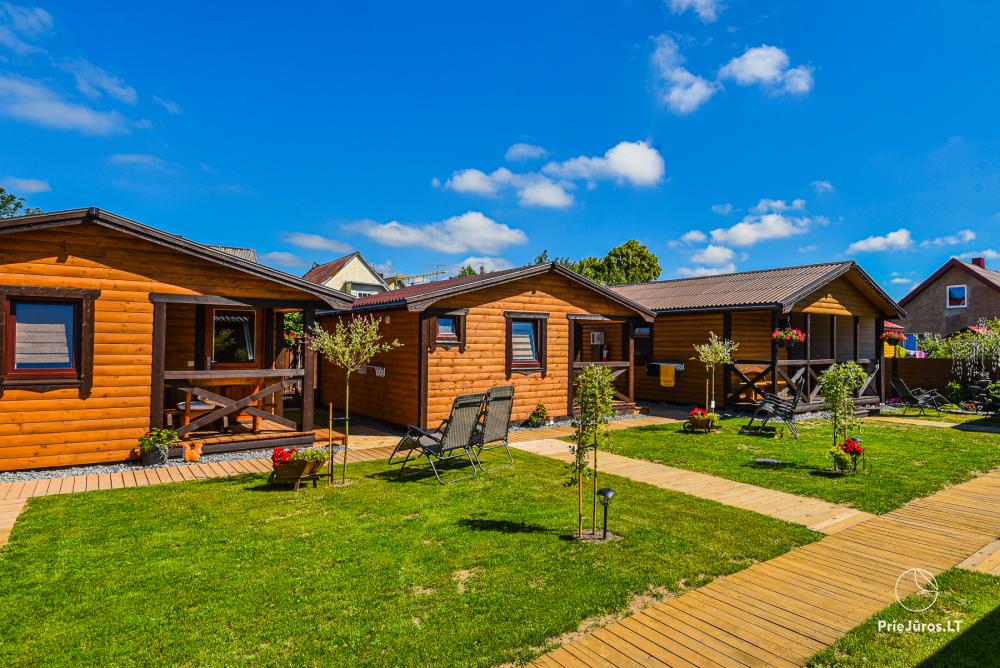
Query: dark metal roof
418,297
248,254
766,288
988,276
96,216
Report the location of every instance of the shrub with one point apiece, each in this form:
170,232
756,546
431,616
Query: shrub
954,392
157,439
539,415
310,455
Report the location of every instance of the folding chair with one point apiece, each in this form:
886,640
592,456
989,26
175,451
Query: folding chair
452,442
494,430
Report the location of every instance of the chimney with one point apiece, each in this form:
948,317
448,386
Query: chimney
979,262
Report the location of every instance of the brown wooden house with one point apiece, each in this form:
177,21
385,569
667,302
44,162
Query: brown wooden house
532,327
111,327
839,307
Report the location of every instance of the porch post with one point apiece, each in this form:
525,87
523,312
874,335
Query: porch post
774,354
880,357
309,379
809,355
833,338
857,333
570,387
627,328
727,369
159,362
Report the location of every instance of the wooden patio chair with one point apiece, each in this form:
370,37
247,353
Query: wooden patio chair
918,398
294,472
452,442
493,432
774,407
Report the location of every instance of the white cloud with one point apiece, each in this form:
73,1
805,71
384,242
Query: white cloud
756,228
94,82
989,254
694,237
520,151
707,10
532,189
316,242
690,272
168,104
714,255
822,186
960,237
901,239
778,206
17,22
808,249
636,163
27,186
31,101
768,66
722,209
281,258
144,160
471,231
899,280
487,264
682,91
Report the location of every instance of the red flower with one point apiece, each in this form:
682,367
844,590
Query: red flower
698,412
281,455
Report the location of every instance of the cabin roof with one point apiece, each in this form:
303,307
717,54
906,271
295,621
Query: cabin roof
989,277
766,288
248,254
418,297
175,242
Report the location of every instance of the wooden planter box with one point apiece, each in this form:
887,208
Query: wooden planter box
294,472
695,424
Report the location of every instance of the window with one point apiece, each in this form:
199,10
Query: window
526,339
234,337
643,345
43,339
46,338
447,328
956,296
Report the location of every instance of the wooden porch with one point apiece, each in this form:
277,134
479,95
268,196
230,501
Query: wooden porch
786,378
615,335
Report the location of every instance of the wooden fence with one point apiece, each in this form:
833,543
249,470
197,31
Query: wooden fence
925,373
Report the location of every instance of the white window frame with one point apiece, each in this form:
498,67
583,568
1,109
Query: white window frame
947,300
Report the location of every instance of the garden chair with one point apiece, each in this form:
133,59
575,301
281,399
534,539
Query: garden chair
455,439
774,407
492,433
917,397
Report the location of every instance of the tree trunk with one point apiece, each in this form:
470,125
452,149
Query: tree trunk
593,517
347,425
579,492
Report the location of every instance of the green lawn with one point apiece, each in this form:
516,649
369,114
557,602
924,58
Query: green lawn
226,572
907,461
970,598
944,416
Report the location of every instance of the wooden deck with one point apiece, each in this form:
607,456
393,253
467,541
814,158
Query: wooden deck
780,612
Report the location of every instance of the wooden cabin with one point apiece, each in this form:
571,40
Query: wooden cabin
841,309
533,327
111,327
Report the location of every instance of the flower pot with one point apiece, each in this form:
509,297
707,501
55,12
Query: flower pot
154,457
699,423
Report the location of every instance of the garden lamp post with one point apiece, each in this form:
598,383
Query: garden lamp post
605,494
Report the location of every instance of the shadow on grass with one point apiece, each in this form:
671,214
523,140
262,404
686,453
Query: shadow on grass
421,471
979,645
501,526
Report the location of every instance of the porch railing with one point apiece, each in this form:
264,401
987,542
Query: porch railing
618,370
750,379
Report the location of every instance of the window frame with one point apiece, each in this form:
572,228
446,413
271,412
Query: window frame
458,340
649,342
540,322
45,380
257,339
947,297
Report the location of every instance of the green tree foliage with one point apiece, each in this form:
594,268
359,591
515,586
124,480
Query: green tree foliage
467,270
838,385
632,262
352,345
717,352
595,394
12,206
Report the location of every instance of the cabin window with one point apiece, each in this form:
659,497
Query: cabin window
234,337
526,340
643,345
957,296
447,328
42,339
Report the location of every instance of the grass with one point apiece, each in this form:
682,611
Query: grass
907,461
227,572
970,598
944,416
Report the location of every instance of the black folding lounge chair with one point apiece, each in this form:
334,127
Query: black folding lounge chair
454,441
493,431
917,398
774,407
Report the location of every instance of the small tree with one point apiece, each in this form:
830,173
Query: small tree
717,352
351,346
838,385
595,393
12,206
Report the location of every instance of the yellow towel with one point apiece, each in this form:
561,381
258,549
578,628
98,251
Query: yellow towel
667,375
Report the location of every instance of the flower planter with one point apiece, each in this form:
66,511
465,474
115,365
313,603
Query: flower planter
536,422
294,472
697,423
154,457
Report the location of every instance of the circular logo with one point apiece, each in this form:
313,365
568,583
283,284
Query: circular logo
924,584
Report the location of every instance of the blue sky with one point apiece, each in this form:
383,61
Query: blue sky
725,136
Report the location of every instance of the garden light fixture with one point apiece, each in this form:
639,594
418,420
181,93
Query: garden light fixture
605,494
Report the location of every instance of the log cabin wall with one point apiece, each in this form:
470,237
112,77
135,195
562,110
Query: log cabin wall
180,336
392,398
451,372
674,336
57,427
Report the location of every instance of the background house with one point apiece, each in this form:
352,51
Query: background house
956,296
350,274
